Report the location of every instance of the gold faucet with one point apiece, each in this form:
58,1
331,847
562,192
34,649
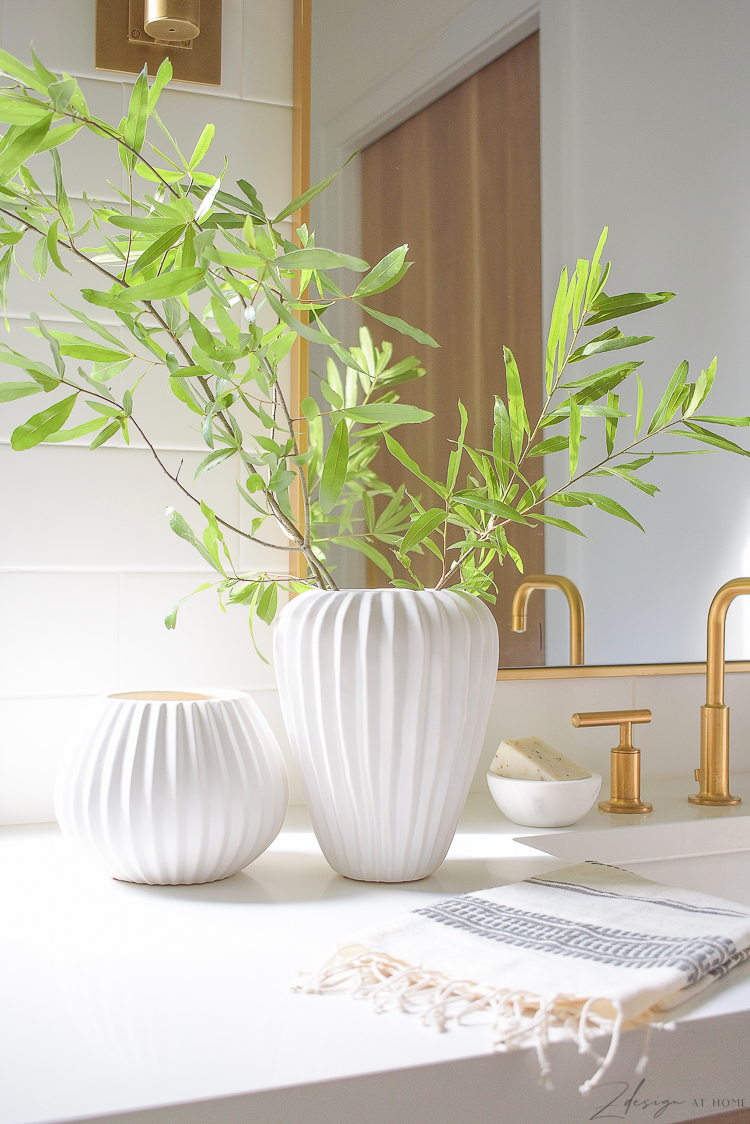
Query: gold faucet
713,774
625,760
575,604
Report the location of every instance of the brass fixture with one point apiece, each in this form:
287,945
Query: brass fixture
575,605
172,20
625,759
131,34
713,775
614,671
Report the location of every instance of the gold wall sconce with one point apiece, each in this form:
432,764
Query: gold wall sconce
131,34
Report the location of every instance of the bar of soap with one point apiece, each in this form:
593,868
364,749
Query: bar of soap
531,759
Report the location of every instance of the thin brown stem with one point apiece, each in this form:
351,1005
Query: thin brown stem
195,500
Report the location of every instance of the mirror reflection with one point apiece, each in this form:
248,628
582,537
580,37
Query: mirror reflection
498,166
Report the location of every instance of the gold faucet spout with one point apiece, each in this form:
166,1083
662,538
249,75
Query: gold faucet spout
575,605
714,770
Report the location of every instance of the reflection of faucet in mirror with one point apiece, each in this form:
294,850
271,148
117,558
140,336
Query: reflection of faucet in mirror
714,771
575,604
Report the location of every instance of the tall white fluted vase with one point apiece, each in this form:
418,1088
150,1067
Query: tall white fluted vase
386,695
173,788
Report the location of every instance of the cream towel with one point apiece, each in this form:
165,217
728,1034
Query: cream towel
589,949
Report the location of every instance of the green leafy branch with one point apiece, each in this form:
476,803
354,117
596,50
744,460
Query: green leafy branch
180,237
497,491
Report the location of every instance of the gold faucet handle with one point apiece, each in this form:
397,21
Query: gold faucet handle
625,768
625,719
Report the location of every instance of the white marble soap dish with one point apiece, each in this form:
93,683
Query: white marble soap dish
544,803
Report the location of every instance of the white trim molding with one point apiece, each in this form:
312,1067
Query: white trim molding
482,32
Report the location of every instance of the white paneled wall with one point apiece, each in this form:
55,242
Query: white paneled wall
88,564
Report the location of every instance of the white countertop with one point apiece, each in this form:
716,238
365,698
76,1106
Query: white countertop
116,997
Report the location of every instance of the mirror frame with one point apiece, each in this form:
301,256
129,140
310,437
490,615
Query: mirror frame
624,671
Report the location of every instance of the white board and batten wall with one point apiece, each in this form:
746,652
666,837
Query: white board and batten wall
88,564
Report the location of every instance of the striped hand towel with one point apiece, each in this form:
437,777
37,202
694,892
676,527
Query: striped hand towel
588,949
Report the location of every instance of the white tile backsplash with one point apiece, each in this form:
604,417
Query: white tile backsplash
59,633
89,161
69,507
62,33
208,648
34,731
34,735
255,137
669,744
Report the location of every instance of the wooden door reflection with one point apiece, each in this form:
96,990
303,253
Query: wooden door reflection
460,181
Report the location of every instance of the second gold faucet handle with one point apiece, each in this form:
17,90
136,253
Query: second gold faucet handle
625,759
610,717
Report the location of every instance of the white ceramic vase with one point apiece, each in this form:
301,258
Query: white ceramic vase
173,787
386,695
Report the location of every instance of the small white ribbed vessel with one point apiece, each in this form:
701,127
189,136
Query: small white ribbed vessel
386,695
175,787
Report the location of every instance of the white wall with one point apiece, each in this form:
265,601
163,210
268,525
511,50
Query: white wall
645,126
88,564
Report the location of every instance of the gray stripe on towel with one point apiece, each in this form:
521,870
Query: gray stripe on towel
592,891
696,957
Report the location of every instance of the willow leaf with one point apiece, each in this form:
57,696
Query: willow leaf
134,132
610,423
386,412
563,524
24,145
611,308
422,526
593,499
501,441
319,259
493,507
581,276
10,391
401,326
172,284
595,273
675,383
639,408
335,468
706,437
613,340
575,435
15,69
383,275
403,457
298,203
368,550
163,76
519,422
41,425
555,330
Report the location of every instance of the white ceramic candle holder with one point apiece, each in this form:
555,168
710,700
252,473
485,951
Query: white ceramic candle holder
174,787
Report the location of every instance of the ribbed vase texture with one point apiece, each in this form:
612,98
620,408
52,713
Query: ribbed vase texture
386,696
175,791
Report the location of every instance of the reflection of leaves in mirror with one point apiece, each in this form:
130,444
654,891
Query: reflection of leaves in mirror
496,492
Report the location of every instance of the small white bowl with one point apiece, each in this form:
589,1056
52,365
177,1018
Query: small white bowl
544,803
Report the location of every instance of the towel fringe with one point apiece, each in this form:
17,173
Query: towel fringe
515,1017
